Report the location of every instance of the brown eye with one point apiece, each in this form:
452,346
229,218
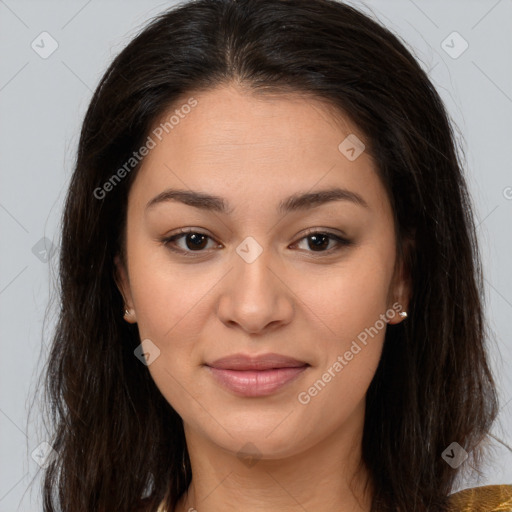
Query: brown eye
196,242
193,241
319,242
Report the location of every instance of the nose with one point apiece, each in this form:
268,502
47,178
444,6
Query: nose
255,295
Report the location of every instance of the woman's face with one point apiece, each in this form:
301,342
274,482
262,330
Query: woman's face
260,276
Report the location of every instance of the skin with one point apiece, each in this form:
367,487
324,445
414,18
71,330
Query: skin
255,151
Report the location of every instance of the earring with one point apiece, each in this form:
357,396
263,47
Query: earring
403,314
126,312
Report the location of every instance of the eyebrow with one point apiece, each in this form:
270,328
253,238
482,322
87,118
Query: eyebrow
295,202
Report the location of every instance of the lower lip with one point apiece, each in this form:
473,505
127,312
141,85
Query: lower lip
256,382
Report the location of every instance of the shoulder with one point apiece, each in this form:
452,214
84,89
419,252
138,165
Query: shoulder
490,498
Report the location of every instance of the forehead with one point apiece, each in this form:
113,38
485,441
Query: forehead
260,146
228,118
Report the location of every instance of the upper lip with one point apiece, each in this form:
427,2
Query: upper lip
262,362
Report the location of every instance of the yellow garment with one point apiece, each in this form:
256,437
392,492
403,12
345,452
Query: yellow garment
490,498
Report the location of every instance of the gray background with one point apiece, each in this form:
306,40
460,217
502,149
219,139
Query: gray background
42,103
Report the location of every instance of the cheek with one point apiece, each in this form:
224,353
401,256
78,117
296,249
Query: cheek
341,392
349,308
349,298
168,298
349,312
172,311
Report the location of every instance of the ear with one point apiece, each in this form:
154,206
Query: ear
401,288
123,285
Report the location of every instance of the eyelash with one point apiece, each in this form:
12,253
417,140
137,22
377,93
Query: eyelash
342,242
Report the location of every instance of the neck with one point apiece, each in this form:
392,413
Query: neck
326,476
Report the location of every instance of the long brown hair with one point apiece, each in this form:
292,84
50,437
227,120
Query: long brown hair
116,437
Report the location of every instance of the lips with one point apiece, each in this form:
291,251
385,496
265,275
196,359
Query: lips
263,362
255,376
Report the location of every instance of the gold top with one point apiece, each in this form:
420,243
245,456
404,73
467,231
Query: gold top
490,498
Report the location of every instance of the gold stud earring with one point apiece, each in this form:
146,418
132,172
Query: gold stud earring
403,314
